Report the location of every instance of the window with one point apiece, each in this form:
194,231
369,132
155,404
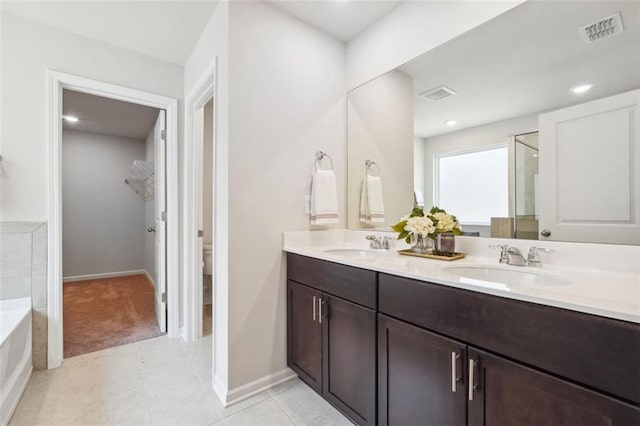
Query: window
473,185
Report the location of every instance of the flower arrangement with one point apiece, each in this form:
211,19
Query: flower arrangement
418,223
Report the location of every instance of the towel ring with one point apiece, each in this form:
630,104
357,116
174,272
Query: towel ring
320,155
368,165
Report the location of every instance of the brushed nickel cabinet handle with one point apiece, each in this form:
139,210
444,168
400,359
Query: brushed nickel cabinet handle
454,374
314,308
320,310
471,371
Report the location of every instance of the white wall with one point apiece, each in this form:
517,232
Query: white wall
149,215
287,88
380,128
411,29
28,49
211,53
103,219
418,165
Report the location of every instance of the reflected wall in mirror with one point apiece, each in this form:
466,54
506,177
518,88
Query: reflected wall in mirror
499,137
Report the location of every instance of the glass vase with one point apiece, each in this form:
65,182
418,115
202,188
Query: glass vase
444,244
420,244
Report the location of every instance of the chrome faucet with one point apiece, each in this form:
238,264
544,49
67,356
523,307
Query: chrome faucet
533,258
377,243
510,255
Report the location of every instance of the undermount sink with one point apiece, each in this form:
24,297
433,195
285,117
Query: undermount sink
476,274
360,253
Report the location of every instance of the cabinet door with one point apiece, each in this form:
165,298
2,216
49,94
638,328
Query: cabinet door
421,376
350,358
507,393
304,334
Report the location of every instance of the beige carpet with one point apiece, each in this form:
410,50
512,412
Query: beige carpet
100,314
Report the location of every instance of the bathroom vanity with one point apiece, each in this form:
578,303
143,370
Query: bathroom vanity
390,349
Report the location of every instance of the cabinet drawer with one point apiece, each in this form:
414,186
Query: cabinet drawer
595,351
353,284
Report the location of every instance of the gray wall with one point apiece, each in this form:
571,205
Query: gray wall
103,220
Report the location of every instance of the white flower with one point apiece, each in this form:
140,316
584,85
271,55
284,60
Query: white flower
420,225
446,223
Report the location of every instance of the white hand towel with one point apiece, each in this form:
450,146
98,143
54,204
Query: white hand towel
324,198
371,201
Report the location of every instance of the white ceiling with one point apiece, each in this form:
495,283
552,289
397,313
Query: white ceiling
108,116
166,30
341,19
525,61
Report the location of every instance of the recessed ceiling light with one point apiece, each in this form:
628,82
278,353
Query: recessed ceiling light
582,88
70,118
451,122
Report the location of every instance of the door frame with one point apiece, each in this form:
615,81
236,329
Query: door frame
57,81
193,189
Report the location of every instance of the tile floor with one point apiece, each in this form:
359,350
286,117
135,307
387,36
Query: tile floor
159,381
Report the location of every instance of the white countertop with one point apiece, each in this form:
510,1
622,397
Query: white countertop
609,293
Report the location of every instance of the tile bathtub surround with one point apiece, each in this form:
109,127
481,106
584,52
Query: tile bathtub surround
23,273
159,381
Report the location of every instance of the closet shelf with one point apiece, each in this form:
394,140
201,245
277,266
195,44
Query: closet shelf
140,179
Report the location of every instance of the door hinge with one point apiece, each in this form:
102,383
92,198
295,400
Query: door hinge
163,135
200,233
164,297
163,216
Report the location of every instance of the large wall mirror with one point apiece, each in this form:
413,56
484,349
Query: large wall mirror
527,126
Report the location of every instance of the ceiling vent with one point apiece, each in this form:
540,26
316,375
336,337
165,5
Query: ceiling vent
438,93
601,29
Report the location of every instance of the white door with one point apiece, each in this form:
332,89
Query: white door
160,222
586,200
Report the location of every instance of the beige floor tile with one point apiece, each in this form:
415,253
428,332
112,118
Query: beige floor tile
173,386
48,407
127,409
199,410
307,408
111,366
116,388
265,413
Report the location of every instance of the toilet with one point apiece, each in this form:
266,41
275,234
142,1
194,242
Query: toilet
206,256
207,272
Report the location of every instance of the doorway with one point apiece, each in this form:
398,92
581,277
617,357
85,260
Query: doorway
167,110
114,239
206,218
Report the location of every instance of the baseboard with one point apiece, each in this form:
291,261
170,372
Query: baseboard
240,393
148,275
103,275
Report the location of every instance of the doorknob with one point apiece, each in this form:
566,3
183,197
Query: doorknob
545,233
151,229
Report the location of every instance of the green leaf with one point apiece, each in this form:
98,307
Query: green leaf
399,227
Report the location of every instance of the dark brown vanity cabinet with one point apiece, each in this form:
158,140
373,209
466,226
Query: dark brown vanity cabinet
332,340
421,376
426,378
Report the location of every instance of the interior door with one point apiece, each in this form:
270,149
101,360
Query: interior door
160,221
585,200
